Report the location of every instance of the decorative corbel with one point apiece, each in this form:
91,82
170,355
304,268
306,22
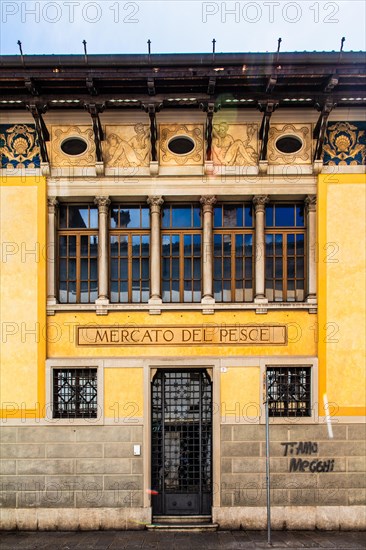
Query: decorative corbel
321,128
151,109
267,109
210,109
94,110
42,132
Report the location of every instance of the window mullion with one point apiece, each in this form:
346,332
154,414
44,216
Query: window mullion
232,265
284,268
78,267
129,266
181,267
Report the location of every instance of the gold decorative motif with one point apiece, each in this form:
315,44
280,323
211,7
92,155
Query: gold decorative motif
302,132
235,144
18,146
344,146
194,132
60,134
127,145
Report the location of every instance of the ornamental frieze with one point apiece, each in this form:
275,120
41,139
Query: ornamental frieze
19,146
235,144
345,144
300,133
188,132
127,146
61,135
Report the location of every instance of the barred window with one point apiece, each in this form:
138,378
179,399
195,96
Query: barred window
129,254
75,393
181,253
285,253
78,254
289,391
233,253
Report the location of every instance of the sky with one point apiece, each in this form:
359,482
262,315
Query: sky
116,26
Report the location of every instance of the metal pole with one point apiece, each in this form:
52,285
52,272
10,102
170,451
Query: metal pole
268,479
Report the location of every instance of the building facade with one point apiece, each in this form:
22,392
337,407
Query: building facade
182,240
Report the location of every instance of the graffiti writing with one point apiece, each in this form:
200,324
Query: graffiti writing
300,448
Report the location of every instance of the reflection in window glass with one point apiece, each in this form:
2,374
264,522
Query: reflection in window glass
285,253
181,216
129,217
233,269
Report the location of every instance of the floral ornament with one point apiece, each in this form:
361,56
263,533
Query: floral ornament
345,144
19,146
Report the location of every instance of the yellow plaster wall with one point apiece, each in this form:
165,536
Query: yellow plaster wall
62,326
342,297
22,294
240,392
123,396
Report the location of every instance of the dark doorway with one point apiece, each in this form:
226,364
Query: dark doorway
181,442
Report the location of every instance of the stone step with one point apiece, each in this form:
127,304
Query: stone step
178,520
180,527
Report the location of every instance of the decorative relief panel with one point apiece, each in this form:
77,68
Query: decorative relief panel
19,146
345,144
127,145
190,132
60,134
295,132
235,144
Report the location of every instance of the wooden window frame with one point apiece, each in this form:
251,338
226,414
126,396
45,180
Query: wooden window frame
77,233
129,233
285,231
181,232
233,233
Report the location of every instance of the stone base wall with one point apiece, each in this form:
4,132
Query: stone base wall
66,519
308,467
71,467
327,518
87,477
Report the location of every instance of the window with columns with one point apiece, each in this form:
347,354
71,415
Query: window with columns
78,254
181,253
129,239
233,238
285,252
256,251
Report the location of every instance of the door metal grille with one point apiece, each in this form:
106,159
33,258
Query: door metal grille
181,442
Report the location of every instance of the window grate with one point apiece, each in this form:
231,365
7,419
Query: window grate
75,393
289,391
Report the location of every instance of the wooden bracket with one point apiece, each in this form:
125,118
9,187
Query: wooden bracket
267,109
41,129
321,128
94,110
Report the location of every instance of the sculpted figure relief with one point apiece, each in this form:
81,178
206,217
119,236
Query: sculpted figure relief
229,151
121,151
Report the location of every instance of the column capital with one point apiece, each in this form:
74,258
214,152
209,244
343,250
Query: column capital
260,202
52,204
155,203
310,203
102,203
208,202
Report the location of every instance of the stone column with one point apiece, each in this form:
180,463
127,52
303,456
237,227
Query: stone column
52,204
310,209
103,209
207,202
155,249
259,202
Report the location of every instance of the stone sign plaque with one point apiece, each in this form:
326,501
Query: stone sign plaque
165,335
